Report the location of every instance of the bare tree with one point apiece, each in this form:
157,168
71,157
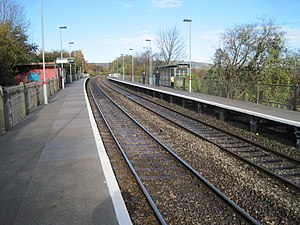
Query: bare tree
253,53
294,59
248,50
170,45
13,13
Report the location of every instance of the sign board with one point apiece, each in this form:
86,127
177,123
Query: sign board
64,60
61,60
183,66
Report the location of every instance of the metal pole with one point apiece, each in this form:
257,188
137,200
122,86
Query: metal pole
123,66
70,63
117,67
190,83
150,60
43,50
190,51
145,62
62,65
132,67
75,64
61,56
132,70
70,43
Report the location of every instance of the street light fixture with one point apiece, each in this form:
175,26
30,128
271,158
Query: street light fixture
150,60
43,55
70,43
61,56
132,70
190,52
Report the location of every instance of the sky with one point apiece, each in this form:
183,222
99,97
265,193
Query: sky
105,29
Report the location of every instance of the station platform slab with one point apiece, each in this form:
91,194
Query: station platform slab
258,110
54,169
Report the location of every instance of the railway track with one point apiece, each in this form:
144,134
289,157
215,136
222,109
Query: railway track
173,188
279,166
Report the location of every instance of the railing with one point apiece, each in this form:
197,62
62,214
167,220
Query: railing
18,101
274,95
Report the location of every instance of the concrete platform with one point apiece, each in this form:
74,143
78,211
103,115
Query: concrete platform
54,169
261,111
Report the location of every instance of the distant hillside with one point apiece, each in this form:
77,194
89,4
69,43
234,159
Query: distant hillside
103,65
200,65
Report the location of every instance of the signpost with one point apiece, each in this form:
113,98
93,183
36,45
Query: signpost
62,61
65,60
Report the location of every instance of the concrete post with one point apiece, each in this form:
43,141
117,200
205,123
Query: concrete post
2,118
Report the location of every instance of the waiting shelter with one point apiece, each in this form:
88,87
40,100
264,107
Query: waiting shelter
177,70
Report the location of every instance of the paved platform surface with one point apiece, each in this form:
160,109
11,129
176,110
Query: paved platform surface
54,170
271,113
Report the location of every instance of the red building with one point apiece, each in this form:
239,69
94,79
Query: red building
34,72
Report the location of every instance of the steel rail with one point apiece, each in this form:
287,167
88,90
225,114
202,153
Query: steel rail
265,170
241,212
143,188
287,157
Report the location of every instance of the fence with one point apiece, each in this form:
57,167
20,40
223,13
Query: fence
18,101
274,95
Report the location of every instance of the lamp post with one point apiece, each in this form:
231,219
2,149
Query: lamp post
113,68
132,70
150,60
43,55
75,66
145,62
117,67
61,56
70,43
123,66
190,52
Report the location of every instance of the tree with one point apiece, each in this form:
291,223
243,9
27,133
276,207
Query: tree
12,13
171,46
14,50
253,53
294,62
14,46
249,50
50,56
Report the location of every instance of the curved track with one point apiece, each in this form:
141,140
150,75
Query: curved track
166,180
282,167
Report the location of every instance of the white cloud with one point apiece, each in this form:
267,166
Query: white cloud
204,45
167,3
106,41
212,36
293,37
144,32
138,41
129,5
209,39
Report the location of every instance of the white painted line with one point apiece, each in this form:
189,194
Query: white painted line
113,187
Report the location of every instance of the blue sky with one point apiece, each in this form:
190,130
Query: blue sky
105,29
